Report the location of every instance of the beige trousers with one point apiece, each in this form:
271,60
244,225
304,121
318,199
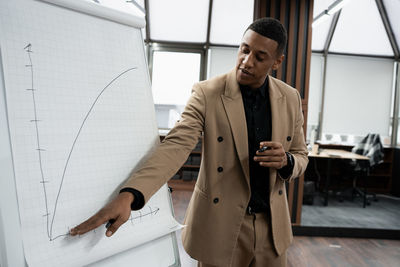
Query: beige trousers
254,247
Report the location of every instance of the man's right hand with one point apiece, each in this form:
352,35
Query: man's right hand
118,210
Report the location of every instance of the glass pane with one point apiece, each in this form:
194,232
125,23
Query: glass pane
360,30
178,20
358,96
229,20
319,34
392,8
314,94
174,74
221,60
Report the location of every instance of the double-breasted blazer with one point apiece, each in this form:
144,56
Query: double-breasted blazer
218,205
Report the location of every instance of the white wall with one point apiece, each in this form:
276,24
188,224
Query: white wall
357,95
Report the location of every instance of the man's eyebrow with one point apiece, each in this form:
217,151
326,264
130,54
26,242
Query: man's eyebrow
258,51
263,53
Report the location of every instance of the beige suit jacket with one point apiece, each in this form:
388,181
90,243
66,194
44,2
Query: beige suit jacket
219,201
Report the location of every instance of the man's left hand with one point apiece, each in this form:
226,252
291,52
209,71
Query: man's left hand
273,157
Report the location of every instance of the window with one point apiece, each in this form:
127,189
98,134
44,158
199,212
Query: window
179,35
178,20
220,60
229,20
173,76
314,97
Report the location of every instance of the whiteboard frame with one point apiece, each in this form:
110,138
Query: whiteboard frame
104,12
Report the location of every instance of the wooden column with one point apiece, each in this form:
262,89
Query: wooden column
296,16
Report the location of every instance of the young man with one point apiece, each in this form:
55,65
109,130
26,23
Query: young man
252,142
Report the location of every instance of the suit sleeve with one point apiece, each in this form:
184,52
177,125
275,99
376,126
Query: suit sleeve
174,150
298,147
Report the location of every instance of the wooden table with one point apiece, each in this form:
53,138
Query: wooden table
332,154
337,153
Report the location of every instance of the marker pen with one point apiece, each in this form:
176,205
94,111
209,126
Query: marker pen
264,148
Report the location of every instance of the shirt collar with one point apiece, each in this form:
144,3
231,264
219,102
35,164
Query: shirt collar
263,89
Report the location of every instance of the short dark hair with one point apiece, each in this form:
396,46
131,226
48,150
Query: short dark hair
272,29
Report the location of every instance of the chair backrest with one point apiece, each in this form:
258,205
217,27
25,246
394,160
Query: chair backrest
370,146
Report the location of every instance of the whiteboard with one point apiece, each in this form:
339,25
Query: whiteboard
76,118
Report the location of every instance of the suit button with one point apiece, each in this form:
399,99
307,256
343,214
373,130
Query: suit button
280,192
289,138
220,139
216,200
220,169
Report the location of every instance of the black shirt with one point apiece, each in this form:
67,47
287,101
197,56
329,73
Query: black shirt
257,108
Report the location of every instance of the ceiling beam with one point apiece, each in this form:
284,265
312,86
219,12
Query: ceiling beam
209,23
388,28
331,31
146,8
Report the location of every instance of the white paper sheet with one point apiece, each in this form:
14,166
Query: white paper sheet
81,118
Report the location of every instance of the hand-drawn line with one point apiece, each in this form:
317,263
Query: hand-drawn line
28,49
152,212
49,226
74,142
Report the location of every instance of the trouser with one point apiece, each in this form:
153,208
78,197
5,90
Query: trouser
254,247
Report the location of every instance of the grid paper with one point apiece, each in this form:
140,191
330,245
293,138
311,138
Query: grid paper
81,118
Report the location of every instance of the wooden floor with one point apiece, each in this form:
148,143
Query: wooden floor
314,251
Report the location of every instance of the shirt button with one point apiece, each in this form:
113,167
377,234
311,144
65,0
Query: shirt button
257,129
220,169
280,192
216,200
220,139
289,138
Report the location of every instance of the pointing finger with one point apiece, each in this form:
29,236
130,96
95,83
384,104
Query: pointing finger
88,225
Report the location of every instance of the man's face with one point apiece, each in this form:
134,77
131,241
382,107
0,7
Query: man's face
257,56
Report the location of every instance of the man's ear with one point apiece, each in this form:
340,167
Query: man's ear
278,62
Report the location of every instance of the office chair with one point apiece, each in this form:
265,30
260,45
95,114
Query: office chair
370,146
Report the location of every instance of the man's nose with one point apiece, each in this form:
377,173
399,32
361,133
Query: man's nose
248,60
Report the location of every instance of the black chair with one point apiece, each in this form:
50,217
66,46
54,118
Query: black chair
370,146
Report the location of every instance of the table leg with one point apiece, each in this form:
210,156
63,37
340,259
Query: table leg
327,182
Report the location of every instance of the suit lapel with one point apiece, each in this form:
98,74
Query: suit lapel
278,117
233,104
